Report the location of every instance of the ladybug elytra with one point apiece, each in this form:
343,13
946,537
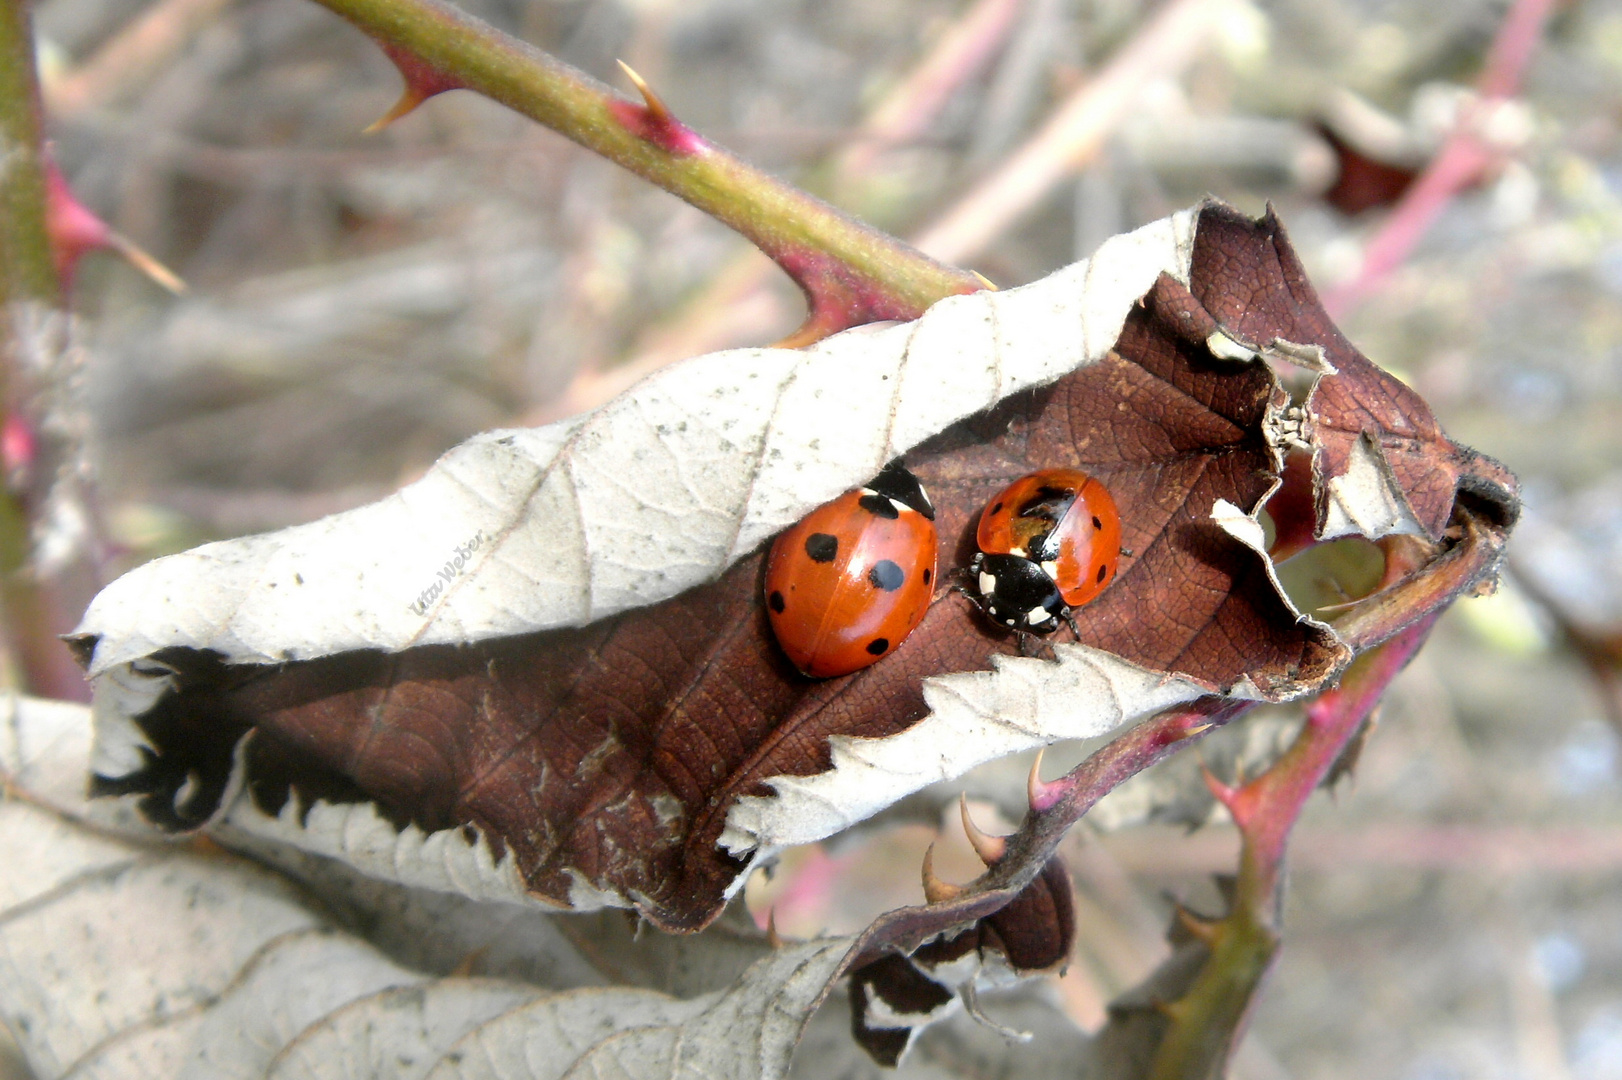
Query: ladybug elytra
849,582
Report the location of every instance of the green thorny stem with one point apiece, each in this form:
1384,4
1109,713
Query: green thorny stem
1207,1021
32,294
25,245
851,274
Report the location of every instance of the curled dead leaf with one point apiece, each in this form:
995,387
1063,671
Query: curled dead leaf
483,744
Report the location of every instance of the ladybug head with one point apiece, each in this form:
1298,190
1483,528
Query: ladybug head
1017,593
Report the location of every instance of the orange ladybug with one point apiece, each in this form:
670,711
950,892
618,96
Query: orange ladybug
847,584
1049,542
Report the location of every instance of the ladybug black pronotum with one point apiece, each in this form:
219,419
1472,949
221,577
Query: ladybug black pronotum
1049,542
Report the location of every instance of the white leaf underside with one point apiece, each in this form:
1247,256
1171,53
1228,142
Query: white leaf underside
128,957
659,490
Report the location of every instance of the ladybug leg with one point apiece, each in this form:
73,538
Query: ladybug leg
1034,646
1070,621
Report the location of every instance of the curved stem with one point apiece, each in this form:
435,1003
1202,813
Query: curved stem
851,274
1207,1021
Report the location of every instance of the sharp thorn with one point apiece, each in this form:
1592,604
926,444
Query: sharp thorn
936,891
985,281
147,265
772,937
655,106
1171,1010
1224,793
971,1005
991,849
1039,792
409,100
808,333
1207,931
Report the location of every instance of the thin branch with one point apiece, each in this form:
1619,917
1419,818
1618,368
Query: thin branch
1075,132
32,295
906,113
1055,806
138,51
1466,156
850,273
27,269
1462,566
738,303
1207,1021
1071,137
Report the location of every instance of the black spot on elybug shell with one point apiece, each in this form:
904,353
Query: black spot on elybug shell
776,602
822,547
886,575
879,506
928,573
1101,572
997,509
1099,525
878,646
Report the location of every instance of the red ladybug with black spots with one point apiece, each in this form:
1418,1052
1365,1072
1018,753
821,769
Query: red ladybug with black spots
847,584
1049,542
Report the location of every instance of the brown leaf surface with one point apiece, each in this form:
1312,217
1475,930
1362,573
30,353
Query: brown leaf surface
1036,931
1357,403
612,753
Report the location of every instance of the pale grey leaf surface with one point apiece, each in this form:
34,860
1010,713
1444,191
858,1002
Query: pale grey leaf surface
441,932
400,1033
124,957
746,1031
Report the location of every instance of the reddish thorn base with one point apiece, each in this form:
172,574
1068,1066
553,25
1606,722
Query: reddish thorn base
73,230
661,129
422,79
